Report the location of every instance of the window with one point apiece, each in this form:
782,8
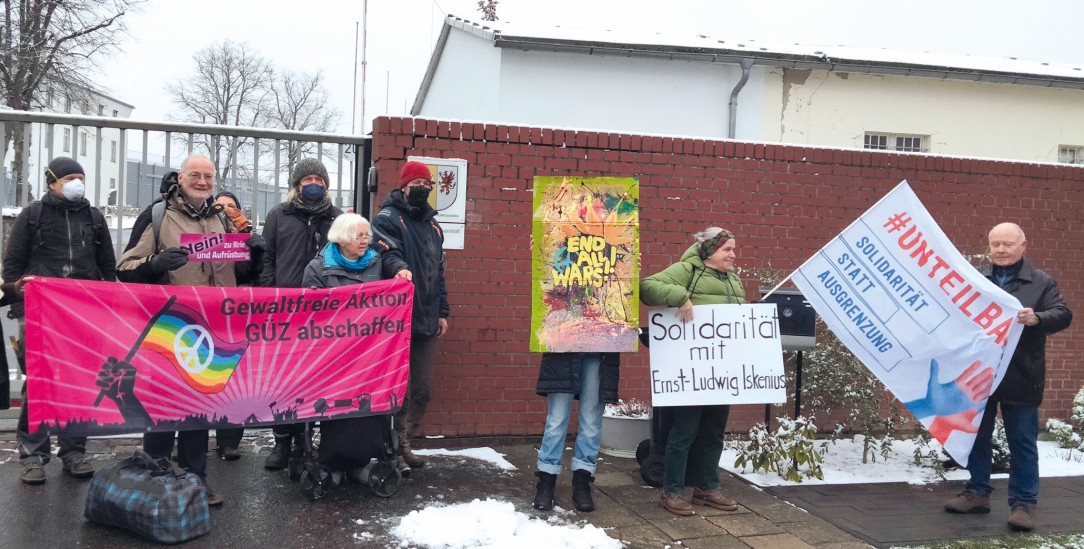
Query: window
896,142
49,97
113,151
115,113
112,183
67,140
82,143
1070,154
67,104
101,110
84,107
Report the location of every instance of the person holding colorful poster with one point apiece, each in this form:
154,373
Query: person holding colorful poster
405,227
61,235
160,259
1020,393
591,378
295,231
703,275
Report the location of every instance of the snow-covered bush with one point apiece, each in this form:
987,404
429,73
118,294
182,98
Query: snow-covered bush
1076,417
1064,435
632,408
1000,448
790,451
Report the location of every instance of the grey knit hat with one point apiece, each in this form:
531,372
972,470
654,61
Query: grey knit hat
308,166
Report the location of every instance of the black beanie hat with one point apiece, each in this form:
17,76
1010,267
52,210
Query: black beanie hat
60,167
308,166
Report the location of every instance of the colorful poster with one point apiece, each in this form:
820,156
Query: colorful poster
585,271
449,197
900,296
107,358
215,247
728,354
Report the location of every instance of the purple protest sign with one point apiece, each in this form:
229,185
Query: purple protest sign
215,247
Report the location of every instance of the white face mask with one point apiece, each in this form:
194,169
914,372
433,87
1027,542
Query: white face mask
74,189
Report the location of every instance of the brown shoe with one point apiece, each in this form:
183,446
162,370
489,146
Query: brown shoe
714,499
968,502
34,474
676,504
214,499
414,461
1021,518
79,468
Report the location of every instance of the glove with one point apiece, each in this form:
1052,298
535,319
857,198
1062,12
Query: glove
169,260
256,243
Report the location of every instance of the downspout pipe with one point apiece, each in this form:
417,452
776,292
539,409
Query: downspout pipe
746,65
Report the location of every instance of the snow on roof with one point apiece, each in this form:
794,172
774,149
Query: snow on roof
822,57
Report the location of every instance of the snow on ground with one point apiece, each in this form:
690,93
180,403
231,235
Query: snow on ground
494,524
488,455
843,465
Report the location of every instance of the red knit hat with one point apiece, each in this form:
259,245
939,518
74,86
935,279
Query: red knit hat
414,170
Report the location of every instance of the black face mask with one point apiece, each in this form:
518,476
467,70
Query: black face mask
418,196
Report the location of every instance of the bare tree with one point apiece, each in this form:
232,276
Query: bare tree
57,41
299,101
488,9
230,87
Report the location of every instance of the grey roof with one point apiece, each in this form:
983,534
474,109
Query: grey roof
707,49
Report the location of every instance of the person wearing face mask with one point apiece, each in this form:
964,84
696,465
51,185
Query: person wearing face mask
63,236
295,231
405,226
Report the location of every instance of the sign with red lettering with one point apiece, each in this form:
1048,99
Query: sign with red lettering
900,296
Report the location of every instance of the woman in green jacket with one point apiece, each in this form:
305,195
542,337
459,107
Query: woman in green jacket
704,275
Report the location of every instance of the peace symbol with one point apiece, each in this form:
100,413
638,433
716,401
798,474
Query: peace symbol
189,356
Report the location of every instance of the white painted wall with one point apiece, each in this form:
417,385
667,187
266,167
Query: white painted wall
963,118
465,85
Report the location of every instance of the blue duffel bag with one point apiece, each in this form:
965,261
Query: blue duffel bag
149,498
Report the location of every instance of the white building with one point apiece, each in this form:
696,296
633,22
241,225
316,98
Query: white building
702,86
98,150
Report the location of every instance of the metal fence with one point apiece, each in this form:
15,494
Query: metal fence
126,159
121,183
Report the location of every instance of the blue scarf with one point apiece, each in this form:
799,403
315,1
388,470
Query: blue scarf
333,257
1004,275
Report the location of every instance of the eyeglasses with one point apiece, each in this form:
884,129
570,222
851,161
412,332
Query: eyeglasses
198,176
365,237
425,185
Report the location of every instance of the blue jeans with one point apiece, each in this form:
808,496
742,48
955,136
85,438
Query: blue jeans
558,412
1022,430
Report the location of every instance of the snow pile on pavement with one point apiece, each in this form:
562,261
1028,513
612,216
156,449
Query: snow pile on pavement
493,524
486,454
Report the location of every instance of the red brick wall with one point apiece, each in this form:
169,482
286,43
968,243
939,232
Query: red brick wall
784,202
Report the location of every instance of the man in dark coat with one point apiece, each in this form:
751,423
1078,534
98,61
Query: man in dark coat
295,231
405,227
1021,391
57,236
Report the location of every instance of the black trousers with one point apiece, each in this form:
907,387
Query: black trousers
191,449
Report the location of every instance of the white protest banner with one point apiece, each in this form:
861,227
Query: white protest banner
728,354
900,296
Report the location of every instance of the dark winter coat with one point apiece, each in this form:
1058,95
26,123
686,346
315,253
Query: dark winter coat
401,230
317,275
1025,378
67,243
560,373
293,238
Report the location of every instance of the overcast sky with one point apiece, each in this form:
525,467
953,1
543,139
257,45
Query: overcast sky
321,35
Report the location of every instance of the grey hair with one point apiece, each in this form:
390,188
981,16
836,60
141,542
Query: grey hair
707,234
344,229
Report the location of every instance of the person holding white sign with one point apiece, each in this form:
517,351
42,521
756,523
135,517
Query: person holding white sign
704,275
1021,391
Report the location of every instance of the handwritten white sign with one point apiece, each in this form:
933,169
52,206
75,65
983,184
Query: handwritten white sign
728,354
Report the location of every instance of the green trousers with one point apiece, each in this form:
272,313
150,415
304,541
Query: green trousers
694,447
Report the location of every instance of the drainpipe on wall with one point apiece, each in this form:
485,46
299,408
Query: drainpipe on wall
746,64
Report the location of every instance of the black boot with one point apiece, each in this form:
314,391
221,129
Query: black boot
543,495
276,460
581,490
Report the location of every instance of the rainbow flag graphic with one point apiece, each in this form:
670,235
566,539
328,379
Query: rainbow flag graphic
182,337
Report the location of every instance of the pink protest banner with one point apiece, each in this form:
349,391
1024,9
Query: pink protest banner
216,247
107,358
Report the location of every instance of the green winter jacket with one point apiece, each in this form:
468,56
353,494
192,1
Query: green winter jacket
690,279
